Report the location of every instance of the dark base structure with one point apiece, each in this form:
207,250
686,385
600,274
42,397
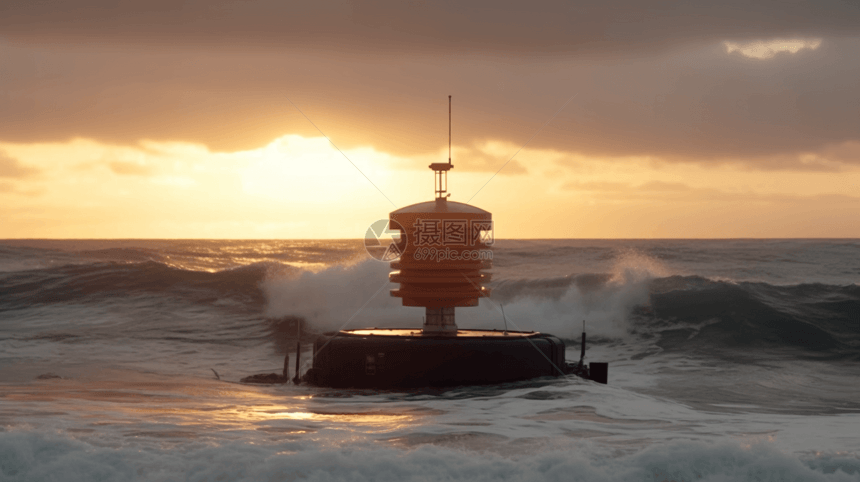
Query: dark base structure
406,358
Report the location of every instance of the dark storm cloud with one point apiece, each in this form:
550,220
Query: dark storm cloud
650,78
418,25
720,107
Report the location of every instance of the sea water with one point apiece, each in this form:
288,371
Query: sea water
728,360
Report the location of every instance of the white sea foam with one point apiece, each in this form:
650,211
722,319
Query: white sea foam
340,297
34,457
357,296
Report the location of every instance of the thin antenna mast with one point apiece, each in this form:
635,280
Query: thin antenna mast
440,168
449,130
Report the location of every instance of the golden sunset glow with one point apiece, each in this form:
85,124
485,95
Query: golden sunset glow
205,405
304,188
106,136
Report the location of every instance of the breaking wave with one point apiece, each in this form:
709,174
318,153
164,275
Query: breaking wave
680,312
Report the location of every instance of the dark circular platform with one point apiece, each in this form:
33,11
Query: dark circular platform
402,358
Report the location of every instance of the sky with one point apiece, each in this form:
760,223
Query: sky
252,119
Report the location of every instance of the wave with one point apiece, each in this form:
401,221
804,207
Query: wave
94,282
696,313
196,255
677,313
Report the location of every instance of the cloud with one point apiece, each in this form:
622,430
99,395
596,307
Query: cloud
485,156
130,168
661,186
10,167
761,49
599,186
846,152
699,105
615,187
548,26
651,79
681,192
11,188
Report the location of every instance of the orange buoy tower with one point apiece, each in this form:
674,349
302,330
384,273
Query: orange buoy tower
445,247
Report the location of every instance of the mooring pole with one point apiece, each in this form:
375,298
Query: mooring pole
504,318
297,379
582,355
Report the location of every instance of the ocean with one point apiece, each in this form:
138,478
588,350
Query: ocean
729,360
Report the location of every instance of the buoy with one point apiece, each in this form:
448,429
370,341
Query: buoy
405,358
444,248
